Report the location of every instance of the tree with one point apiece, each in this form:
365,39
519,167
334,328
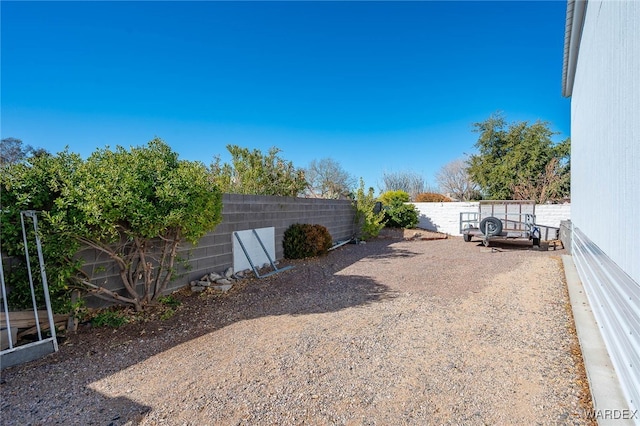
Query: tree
137,206
252,172
327,179
513,160
410,182
454,179
12,151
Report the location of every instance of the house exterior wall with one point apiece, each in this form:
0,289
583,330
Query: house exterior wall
605,181
605,132
445,217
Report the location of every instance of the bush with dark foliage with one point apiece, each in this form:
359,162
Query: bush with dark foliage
305,240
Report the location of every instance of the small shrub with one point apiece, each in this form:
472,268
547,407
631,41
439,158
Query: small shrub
432,197
305,240
169,301
168,313
109,318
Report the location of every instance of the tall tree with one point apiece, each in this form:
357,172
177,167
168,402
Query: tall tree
453,178
327,179
252,172
514,160
410,182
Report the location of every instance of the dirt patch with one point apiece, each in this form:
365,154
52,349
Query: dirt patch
395,331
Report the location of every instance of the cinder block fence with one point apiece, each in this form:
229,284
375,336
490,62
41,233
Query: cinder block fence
214,252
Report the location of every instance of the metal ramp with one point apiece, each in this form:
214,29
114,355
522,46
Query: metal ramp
255,257
14,354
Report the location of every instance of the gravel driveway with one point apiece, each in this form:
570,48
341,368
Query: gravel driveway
392,332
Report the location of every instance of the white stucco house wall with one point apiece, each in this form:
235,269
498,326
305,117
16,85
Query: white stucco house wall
602,76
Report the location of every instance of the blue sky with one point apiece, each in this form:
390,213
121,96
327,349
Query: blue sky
377,86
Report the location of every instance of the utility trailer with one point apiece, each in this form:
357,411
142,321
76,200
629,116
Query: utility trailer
505,221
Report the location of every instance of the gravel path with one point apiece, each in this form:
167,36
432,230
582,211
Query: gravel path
392,332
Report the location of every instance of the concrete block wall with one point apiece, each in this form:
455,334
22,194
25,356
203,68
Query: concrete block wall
214,252
445,217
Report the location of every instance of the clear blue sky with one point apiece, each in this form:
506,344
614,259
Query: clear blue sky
377,86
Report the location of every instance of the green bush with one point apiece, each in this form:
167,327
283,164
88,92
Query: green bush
401,215
135,206
369,221
389,197
305,240
36,185
397,213
110,318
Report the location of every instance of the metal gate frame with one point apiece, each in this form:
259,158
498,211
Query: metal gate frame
44,345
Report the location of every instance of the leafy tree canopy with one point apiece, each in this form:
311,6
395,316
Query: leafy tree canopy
137,206
252,172
519,159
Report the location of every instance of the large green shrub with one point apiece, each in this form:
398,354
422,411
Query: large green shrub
305,240
136,206
389,197
36,183
397,213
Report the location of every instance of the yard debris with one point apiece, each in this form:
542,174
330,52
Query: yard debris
221,282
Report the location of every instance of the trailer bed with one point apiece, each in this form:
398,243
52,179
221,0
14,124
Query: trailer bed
506,221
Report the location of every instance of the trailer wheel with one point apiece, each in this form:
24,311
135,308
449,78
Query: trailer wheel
491,226
467,237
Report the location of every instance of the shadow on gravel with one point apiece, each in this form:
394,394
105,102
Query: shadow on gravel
89,355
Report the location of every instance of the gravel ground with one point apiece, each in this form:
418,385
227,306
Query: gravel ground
392,332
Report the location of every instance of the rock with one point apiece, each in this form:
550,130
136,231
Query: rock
205,278
214,276
224,288
223,281
229,272
203,283
197,288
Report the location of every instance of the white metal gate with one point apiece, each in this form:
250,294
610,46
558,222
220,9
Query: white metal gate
12,353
